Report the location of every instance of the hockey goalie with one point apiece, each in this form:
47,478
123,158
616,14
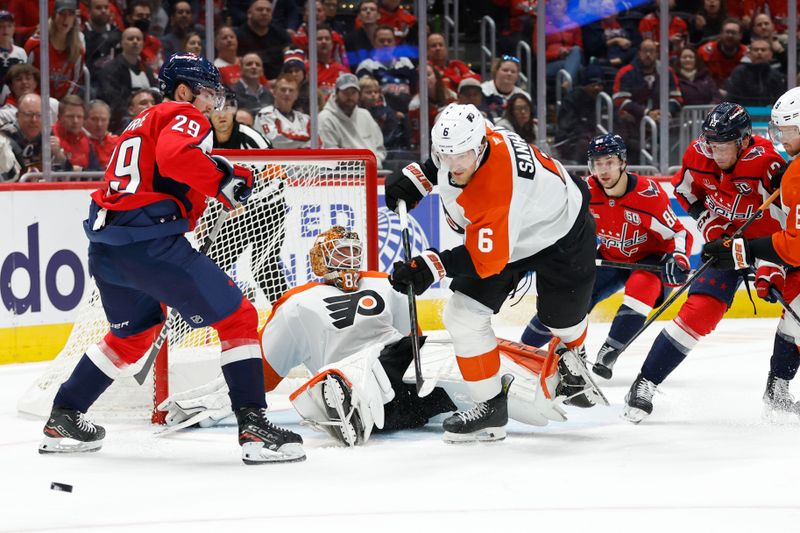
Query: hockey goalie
351,332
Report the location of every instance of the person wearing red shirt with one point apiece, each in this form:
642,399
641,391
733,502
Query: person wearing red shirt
678,31
155,188
69,130
403,22
300,37
724,54
451,70
328,68
139,14
228,63
96,128
564,41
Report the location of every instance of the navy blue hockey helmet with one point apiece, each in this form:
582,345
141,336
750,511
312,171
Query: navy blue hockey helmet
727,122
608,144
197,72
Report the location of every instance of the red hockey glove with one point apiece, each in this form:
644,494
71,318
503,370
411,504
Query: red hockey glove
236,184
409,184
713,226
419,273
676,269
769,275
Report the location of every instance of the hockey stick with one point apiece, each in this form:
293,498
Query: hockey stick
702,268
412,300
141,375
786,307
628,266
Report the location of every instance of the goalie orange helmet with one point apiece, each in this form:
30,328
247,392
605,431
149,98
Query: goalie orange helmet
336,257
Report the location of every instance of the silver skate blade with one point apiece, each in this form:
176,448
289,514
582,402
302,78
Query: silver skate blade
255,453
65,445
483,435
574,362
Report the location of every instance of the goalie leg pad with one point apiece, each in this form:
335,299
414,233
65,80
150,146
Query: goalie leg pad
205,405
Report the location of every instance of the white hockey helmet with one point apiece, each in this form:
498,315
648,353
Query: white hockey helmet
785,112
459,129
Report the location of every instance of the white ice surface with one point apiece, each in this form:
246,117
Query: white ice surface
705,460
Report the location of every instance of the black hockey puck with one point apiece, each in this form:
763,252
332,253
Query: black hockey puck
60,487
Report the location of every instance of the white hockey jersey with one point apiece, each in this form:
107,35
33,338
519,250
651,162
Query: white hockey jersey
519,202
284,132
317,324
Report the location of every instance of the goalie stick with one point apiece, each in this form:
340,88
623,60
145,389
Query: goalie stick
702,268
402,212
141,375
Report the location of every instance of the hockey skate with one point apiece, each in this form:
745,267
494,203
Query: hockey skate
262,442
69,431
339,405
606,358
778,400
639,400
484,422
576,383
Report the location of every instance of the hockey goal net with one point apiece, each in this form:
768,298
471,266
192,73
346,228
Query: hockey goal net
263,247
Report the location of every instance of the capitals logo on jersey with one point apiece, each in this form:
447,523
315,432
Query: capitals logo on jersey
651,191
626,244
344,308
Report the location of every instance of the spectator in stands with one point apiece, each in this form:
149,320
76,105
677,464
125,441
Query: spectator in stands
636,94
300,38
394,125
21,79
439,96
66,50
756,83
227,60
9,166
259,35
358,41
606,40
181,22
403,23
193,43
576,116
126,73
649,29
328,67
281,124
514,22
337,21
470,92
294,65
252,90
518,117
26,19
497,91
10,54
697,86
724,54
103,141
102,36
69,130
286,14
452,71
707,21
764,28
343,124
564,42
228,133
140,100
26,138
139,15
778,10
394,71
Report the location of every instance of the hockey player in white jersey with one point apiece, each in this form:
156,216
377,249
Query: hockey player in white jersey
518,211
351,332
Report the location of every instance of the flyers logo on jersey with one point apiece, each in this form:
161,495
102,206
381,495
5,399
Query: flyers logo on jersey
343,309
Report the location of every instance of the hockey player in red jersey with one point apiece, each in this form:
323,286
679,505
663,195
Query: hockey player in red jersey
781,247
720,203
156,186
635,224
518,211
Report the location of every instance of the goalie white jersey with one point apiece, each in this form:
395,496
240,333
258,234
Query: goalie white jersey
317,324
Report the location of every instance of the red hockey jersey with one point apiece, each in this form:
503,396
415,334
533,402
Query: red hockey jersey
638,224
733,195
162,155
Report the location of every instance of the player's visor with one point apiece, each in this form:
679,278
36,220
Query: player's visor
605,163
215,96
459,162
782,134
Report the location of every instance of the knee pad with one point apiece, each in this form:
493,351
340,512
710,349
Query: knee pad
697,318
642,291
240,327
469,323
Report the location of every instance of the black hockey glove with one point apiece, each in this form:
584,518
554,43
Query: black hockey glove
236,184
419,273
408,183
676,269
728,254
775,180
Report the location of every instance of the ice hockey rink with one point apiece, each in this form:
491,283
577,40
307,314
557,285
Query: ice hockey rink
706,460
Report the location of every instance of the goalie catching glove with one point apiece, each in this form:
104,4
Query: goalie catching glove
410,183
236,184
419,273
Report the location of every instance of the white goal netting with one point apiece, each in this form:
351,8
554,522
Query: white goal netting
263,247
